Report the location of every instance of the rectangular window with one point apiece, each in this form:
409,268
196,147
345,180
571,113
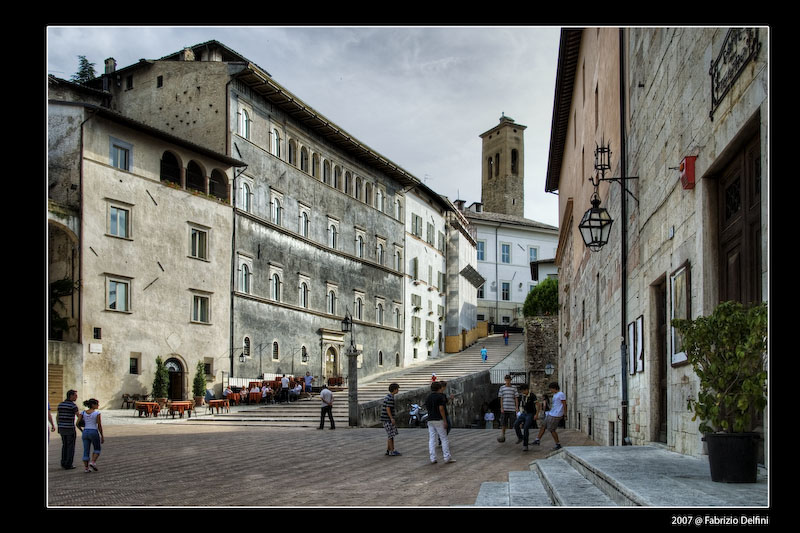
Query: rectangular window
533,254
506,291
505,253
199,243
480,292
120,153
133,365
431,234
200,308
415,326
118,296
118,220
416,225
160,81
481,250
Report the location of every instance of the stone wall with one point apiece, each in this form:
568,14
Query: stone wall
541,341
469,395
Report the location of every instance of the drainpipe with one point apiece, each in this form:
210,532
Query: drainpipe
624,229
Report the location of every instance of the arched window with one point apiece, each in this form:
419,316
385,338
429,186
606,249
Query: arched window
244,196
275,350
292,150
194,177
360,246
326,172
277,211
398,210
304,224
170,168
490,167
358,188
332,236
380,253
218,185
337,177
303,355
379,200
246,347
244,124
397,317
514,161
380,358
275,287
397,359
348,183
315,165
496,164
304,295
398,261
304,159
359,305
368,193
276,143
331,302
379,314
244,279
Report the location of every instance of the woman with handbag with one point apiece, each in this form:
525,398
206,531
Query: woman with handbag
90,423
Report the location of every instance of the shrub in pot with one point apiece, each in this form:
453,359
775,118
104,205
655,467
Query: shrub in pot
199,384
160,382
727,351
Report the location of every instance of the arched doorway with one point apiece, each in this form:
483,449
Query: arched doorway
331,363
176,389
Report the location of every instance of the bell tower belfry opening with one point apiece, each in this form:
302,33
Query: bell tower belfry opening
502,168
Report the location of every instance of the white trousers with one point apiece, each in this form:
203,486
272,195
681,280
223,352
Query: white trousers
436,431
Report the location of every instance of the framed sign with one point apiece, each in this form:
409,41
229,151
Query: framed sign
640,344
681,308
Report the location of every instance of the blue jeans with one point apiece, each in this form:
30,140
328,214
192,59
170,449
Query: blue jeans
525,420
91,439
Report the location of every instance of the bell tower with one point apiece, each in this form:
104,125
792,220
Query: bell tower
502,169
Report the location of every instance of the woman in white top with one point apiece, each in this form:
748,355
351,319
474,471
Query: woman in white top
92,434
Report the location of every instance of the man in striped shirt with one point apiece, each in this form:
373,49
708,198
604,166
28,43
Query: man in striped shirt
67,410
387,417
509,405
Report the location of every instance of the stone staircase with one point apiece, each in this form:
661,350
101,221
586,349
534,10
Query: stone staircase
305,413
557,480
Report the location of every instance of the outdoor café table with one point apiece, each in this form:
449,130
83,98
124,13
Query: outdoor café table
234,397
180,407
218,403
147,408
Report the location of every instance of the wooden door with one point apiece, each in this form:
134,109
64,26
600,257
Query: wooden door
740,226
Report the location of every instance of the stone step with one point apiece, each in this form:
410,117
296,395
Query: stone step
523,489
568,487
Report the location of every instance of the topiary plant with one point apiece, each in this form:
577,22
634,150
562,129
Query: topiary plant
542,299
160,380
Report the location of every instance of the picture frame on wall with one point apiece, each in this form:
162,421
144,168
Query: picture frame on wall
680,298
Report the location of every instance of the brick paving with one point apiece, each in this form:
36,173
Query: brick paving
191,465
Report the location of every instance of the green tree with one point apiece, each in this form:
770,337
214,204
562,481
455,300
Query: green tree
160,380
542,299
85,72
199,384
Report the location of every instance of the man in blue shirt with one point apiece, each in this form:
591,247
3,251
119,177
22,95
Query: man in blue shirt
66,413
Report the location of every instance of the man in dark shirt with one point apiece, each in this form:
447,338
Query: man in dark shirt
436,404
387,417
67,410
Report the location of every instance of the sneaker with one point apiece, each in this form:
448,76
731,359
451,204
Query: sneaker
557,447
524,448
434,462
501,439
86,471
451,460
536,442
394,453
93,466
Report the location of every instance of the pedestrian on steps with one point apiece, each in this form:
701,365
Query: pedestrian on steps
484,354
505,336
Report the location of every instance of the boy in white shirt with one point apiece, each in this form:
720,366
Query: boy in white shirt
554,415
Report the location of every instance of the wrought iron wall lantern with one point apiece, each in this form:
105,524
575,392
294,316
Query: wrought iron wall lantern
595,226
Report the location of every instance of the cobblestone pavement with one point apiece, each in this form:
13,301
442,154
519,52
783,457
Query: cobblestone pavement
191,465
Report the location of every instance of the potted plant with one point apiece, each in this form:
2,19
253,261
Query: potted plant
160,382
727,351
199,384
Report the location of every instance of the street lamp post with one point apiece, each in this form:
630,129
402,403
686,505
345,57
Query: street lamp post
352,371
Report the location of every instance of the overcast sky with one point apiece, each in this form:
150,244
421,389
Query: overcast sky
419,96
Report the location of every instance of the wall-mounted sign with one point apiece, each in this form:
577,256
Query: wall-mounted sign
739,47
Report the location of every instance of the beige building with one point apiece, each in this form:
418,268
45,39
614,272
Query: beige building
139,231
688,150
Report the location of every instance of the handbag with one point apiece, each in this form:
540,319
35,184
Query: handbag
81,422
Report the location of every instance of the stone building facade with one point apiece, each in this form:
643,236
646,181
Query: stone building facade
689,134
141,245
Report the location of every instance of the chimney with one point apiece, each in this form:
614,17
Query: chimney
111,65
